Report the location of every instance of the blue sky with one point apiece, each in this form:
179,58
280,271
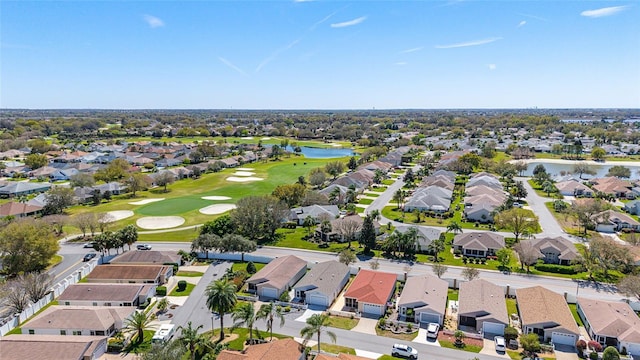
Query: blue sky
319,54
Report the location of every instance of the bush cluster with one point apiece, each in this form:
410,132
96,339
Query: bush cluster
558,269
161,290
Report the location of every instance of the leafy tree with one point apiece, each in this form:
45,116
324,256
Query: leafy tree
518,190
510,333
469,273
137,323
162,305
251,268
128,235
347,257
489,149
81,180
439,269
527,254
470,159
610,353
308,223
610,254
35,161
367,236
116,170
504,256
290,194
269,312
630,286
348,228
316,325
334,168
317,177
583,211
190,339
352,164
598,153
619,171
530,343
582,168
276,152
258,217
164,178
136,182
409,177
517,220
220,226
221,298
244,314
233,243
548,187
27,245
57,199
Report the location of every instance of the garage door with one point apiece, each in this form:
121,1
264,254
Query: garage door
633,348
429,318
372,309
317,299
492,328
563,339
270,293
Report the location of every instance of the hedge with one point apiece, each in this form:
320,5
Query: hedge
558,269
161,290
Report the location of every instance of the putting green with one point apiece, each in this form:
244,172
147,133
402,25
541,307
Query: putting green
173,206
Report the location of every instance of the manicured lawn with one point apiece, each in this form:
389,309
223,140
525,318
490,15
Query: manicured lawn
55,260
342,322
173,206
187,235
469,348
404,337
389,357
378,189
335,349
388,181
243,335
144,346
242,266
452,294
514,355
186,291
365,201
189,273
574,312
293,238
511,306
372,194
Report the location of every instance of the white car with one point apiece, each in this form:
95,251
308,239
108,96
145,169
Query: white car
143,247
400,350
432,330
501,345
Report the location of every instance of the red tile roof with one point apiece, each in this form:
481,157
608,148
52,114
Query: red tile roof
372,287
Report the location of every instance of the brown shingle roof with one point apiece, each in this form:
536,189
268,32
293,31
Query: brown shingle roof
426,292
479,240
613,319
146,257
484,299
79,317
565,248
285,349
14,208
372,287
279,271
38,347
105,292
538,305
125,272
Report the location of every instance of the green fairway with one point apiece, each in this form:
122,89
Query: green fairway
173,206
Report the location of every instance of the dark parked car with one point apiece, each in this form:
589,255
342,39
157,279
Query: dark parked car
89,256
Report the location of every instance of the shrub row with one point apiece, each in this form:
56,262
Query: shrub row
161,290
558,269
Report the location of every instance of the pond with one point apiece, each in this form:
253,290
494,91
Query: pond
323,153
601,169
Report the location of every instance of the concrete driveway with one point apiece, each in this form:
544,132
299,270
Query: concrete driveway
366,326
489,348
307,314
422,338
564,352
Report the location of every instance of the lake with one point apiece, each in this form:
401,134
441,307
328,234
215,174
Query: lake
601,169
322,153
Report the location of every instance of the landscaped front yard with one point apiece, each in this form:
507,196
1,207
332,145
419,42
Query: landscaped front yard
342,322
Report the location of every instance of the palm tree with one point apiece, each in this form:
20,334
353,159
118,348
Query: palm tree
221,298
270,312
454,227
399,196
316,324
191,339
245,314
138,323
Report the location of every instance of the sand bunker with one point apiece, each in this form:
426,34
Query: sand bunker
245,169
217,209
118,215
145,201
243,179
335,145
243,173
266,138
159,222
216,197
247,138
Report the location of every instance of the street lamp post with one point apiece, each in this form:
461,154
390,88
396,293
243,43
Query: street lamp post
212,321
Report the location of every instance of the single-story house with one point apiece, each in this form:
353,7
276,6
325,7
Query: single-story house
613,186
479,212
147,257
478,244
78,320
277,277
322,284
573,188
283,349
38,347
370,292
482,307
632,207
611,221
106,294
556,250
546,313
426,297
611,323
430,198
340,193
131,274
114,188
317,213
14,189
352,222
19,209
426,235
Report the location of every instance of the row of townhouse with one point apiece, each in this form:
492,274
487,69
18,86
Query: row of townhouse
483,195
434,193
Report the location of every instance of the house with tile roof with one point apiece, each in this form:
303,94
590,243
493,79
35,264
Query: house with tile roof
611,323
478,244
557,250
277,277
482,307
283,349
320,286
78,320
546,313
370,292
423,298
38,347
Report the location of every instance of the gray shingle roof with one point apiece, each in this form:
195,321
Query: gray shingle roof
325,276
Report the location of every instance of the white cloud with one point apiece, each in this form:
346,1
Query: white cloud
608,11
153,21
349,23
411,50
491,66
522,23
468,43
400,63
314,26
275,54
231,65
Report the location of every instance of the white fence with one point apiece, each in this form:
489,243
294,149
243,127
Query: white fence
56,290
